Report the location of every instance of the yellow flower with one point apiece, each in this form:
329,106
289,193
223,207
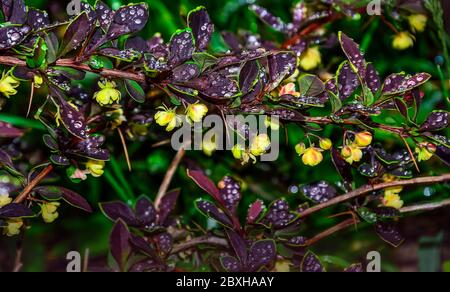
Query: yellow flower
270,123
37,80
289,89
403,40
13,227
167,117
425,152
116,117
8,84
312,156
325,144
282,266
108,93
351,154
387,177
49,213
310,59
4,200
393,191
363,139
300,148
237,151
260,144
95,167
418,22
209,147
392,200
195,112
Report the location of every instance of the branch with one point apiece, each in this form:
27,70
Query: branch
425,207
372,188
24,195
341,226
210,240
13,61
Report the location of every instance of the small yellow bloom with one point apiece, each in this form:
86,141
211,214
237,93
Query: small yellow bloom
418,22
237,151
403,40
209,146
271,123
393,191
363,139
195,112
108,93
49,211
167,117
13,227
392,200
8,84
424,153
5,200
37,80
260,144
289,89
387,177
95,167
352,154
300,148
312,156
310,59
325,144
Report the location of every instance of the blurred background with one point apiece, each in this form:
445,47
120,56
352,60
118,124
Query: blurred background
427,247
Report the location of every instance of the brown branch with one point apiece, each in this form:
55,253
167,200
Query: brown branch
209,240
425,207
170,173
125,149
372,188
339,227
27,190
13,61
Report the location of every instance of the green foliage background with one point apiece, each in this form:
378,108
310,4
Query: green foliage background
46,245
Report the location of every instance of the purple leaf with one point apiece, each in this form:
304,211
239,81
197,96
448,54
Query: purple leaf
167,205
287,114
185,72
320,192
372,78
354,55
37,19
104,14
7,163
230,193
238,244
215,86
204,183
232,41
75,199
143,246
297,241
211,211
275,22
299,14
135,90
202,27
145,211
120,244
127,55
118,210
311,264
230,264
8,131
436,121
76,33
11,36
399,83
49,192
443,152
59,160
262,254
355,268
127,20
14,210
182,47
348,81
137,44
389,233
14,11
164,241
248,75
153,64
254,211
281,66
90,148
278,215
401,107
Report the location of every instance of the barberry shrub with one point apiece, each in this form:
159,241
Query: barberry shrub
93,77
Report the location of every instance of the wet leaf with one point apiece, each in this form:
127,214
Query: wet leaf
210,210
14,11
120,244
354,54
11,36
372,78
262,254
145,211
185,72
400,83
254,211
135,90
278,215
367,215
167,206
76,33
230,264
347,81
230,193
275,22
436,121
127,55
14,210
37,19
311,264
202,27
443,153
389,233
164,242
104,14
215,86
281,66
128,20
248,75
310,85
182,47
320,192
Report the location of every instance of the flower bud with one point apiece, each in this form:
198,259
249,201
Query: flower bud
195,112
363,139
418,22
325,144
403,40
300,148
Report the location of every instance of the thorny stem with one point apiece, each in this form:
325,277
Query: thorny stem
24,194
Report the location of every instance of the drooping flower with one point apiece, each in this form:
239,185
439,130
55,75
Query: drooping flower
237,151
95,167
5,199
310,59
392,200
49,211
289,89
196,111
108,94
13,227
312,156
352,153
259,144
363,139
8,84
300,148
418,22
425,151
325,144
403,40
209,146
167,117
272,123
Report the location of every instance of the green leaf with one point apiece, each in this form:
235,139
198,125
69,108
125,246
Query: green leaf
336,103
135,90
204,60
367,215
76,33
310,85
